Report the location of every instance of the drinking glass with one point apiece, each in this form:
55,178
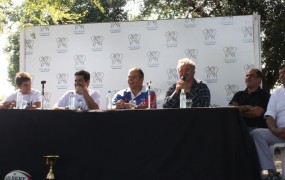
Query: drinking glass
133,104
189,103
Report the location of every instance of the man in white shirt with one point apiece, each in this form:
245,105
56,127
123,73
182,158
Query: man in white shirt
86,99
31,96
275,120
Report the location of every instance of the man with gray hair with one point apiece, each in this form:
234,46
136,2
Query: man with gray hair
195,89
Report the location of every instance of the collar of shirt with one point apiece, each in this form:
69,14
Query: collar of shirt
133,96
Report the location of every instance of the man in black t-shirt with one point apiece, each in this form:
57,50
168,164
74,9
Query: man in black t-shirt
252,102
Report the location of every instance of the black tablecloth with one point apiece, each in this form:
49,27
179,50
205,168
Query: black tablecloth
174,144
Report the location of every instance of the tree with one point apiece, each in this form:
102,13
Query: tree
4,10
272,23
51,12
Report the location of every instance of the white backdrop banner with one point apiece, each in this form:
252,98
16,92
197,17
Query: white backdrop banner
222,47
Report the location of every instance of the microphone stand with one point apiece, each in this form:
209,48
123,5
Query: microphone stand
43,92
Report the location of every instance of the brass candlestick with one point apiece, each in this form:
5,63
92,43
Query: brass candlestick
50,161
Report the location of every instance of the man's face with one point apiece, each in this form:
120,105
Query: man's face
26,87
186,71
134,80
251,79
282,76
80,81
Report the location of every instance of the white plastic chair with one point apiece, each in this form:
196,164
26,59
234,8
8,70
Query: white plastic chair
281,147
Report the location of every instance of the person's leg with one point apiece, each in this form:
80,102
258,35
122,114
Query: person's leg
263,138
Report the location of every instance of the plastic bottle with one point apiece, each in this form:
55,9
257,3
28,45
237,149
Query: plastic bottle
72,102
109,100
19,100
79,104
182,99
151,97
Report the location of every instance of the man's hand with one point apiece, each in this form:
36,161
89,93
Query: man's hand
279,132
9,104
80,90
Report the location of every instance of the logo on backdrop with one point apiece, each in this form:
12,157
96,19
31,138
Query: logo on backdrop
45,63
79,61
151,25
189,23
247,67
29,43
97,42
210,36
134,41
44,31
247,34
62,80
192,54
212,74
230,54
61,44
153,58
79,29
97,79
115,27
228,20
171,39
116,60
172,75
18,174
231,89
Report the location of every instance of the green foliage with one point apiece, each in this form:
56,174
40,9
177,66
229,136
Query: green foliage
4,10
13,50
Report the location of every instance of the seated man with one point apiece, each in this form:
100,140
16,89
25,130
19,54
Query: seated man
275,120
135,93
252,102
86,98
24,84
197,90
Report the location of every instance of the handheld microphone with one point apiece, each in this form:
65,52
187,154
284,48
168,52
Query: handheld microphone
183,78
43,93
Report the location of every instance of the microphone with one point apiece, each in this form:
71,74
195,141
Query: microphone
43,92
183,78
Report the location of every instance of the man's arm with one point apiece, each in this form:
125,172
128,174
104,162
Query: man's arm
248,110
7,104
271,124
252,111
88,99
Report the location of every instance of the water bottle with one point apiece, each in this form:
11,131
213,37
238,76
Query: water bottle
151,99
79,104
109,100
72,102
182,99
19,100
